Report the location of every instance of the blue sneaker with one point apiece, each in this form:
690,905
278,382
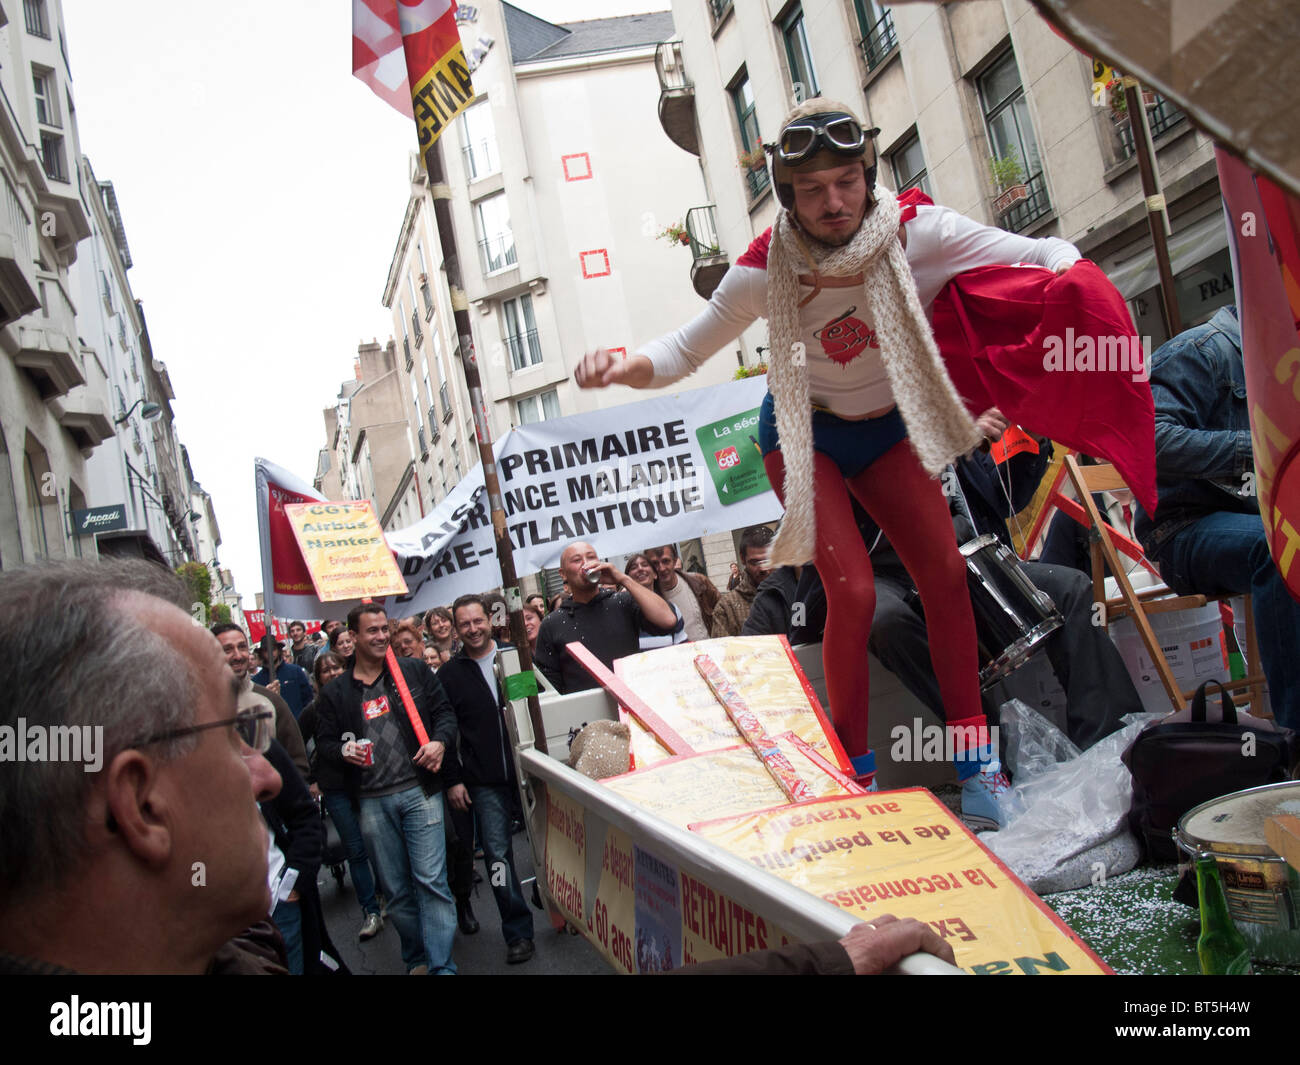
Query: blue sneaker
980,808
864,771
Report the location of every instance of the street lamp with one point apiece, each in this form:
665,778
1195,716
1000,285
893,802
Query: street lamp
148,412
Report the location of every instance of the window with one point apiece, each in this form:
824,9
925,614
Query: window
480,140
406,336
428,389
742,98
719,9
38,24
496,242
1011,136
877,26
56,166
47,97
455,458
415,402
803,78
538,408
521,333
908,164
442,476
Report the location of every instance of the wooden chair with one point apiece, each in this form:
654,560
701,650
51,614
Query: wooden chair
1140,605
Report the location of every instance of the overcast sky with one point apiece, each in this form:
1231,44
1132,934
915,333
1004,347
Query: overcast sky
262,188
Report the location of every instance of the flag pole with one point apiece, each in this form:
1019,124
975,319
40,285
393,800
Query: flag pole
441,194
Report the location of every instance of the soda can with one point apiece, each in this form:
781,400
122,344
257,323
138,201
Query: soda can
367,748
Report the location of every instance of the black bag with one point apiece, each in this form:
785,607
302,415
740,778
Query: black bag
1185,760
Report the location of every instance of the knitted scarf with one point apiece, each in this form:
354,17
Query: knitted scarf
938,425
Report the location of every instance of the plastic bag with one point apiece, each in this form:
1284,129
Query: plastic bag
1066,816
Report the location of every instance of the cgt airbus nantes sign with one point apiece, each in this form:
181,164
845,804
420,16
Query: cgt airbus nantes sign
99,519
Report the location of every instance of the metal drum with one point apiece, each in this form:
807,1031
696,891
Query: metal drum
1263,891
1012,617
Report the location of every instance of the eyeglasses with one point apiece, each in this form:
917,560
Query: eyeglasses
803,138
254,728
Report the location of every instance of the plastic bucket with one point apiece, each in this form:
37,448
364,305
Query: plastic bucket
1191,643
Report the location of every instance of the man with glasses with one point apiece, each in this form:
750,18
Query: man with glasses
388,731
156,859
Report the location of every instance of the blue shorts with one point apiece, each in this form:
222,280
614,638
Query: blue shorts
852,446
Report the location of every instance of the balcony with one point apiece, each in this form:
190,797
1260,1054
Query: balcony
406,350
708,263
676,97
525,349
879,42
415,327
1024,213
434,431
427,296
480,159
84,416
1163,117
48,357
497,253
719,9
444,400
18,289
424,443
34,15
757,182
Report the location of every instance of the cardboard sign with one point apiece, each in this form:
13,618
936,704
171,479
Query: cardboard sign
345,550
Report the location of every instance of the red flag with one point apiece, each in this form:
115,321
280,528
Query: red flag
377,55
1057,355
409,53
1264,228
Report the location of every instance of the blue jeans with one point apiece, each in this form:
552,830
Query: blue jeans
491,805
1226,554
287,917
410,850
339,807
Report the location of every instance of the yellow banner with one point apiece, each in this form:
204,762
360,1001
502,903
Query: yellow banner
443,93
345,550
903,852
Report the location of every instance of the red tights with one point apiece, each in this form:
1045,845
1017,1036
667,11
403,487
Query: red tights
909,506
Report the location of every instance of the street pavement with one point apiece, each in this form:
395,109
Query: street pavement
482,954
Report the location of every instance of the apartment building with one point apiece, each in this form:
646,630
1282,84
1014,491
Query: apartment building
953,88
369,449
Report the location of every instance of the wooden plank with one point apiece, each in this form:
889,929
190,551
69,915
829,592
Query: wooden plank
1283,834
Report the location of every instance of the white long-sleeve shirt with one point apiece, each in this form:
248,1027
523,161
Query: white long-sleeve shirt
845,371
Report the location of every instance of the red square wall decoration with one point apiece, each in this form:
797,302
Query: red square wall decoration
594,263
577,167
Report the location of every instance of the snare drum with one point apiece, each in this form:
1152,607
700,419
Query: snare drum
1262,890
1013,619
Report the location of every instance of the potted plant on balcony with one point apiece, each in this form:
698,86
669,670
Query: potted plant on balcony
675,234
1008,176
754,159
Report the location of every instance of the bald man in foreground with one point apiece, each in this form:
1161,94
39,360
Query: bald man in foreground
608,623
139,849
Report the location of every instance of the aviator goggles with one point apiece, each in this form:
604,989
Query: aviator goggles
805,137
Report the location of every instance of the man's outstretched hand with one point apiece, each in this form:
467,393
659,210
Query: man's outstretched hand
600,369
885,940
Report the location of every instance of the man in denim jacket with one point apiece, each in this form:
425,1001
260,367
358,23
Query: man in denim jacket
1207,534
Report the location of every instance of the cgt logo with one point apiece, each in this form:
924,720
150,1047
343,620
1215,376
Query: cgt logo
727,458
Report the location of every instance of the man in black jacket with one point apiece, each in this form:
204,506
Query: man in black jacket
486,769
396,780
298,837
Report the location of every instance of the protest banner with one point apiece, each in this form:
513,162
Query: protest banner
903,852
622,478
345,551
279,626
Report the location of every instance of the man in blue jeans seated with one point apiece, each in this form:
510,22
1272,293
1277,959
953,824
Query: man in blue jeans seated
1207,534
398,783
481,782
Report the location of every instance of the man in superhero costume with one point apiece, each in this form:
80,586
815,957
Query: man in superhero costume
859,403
